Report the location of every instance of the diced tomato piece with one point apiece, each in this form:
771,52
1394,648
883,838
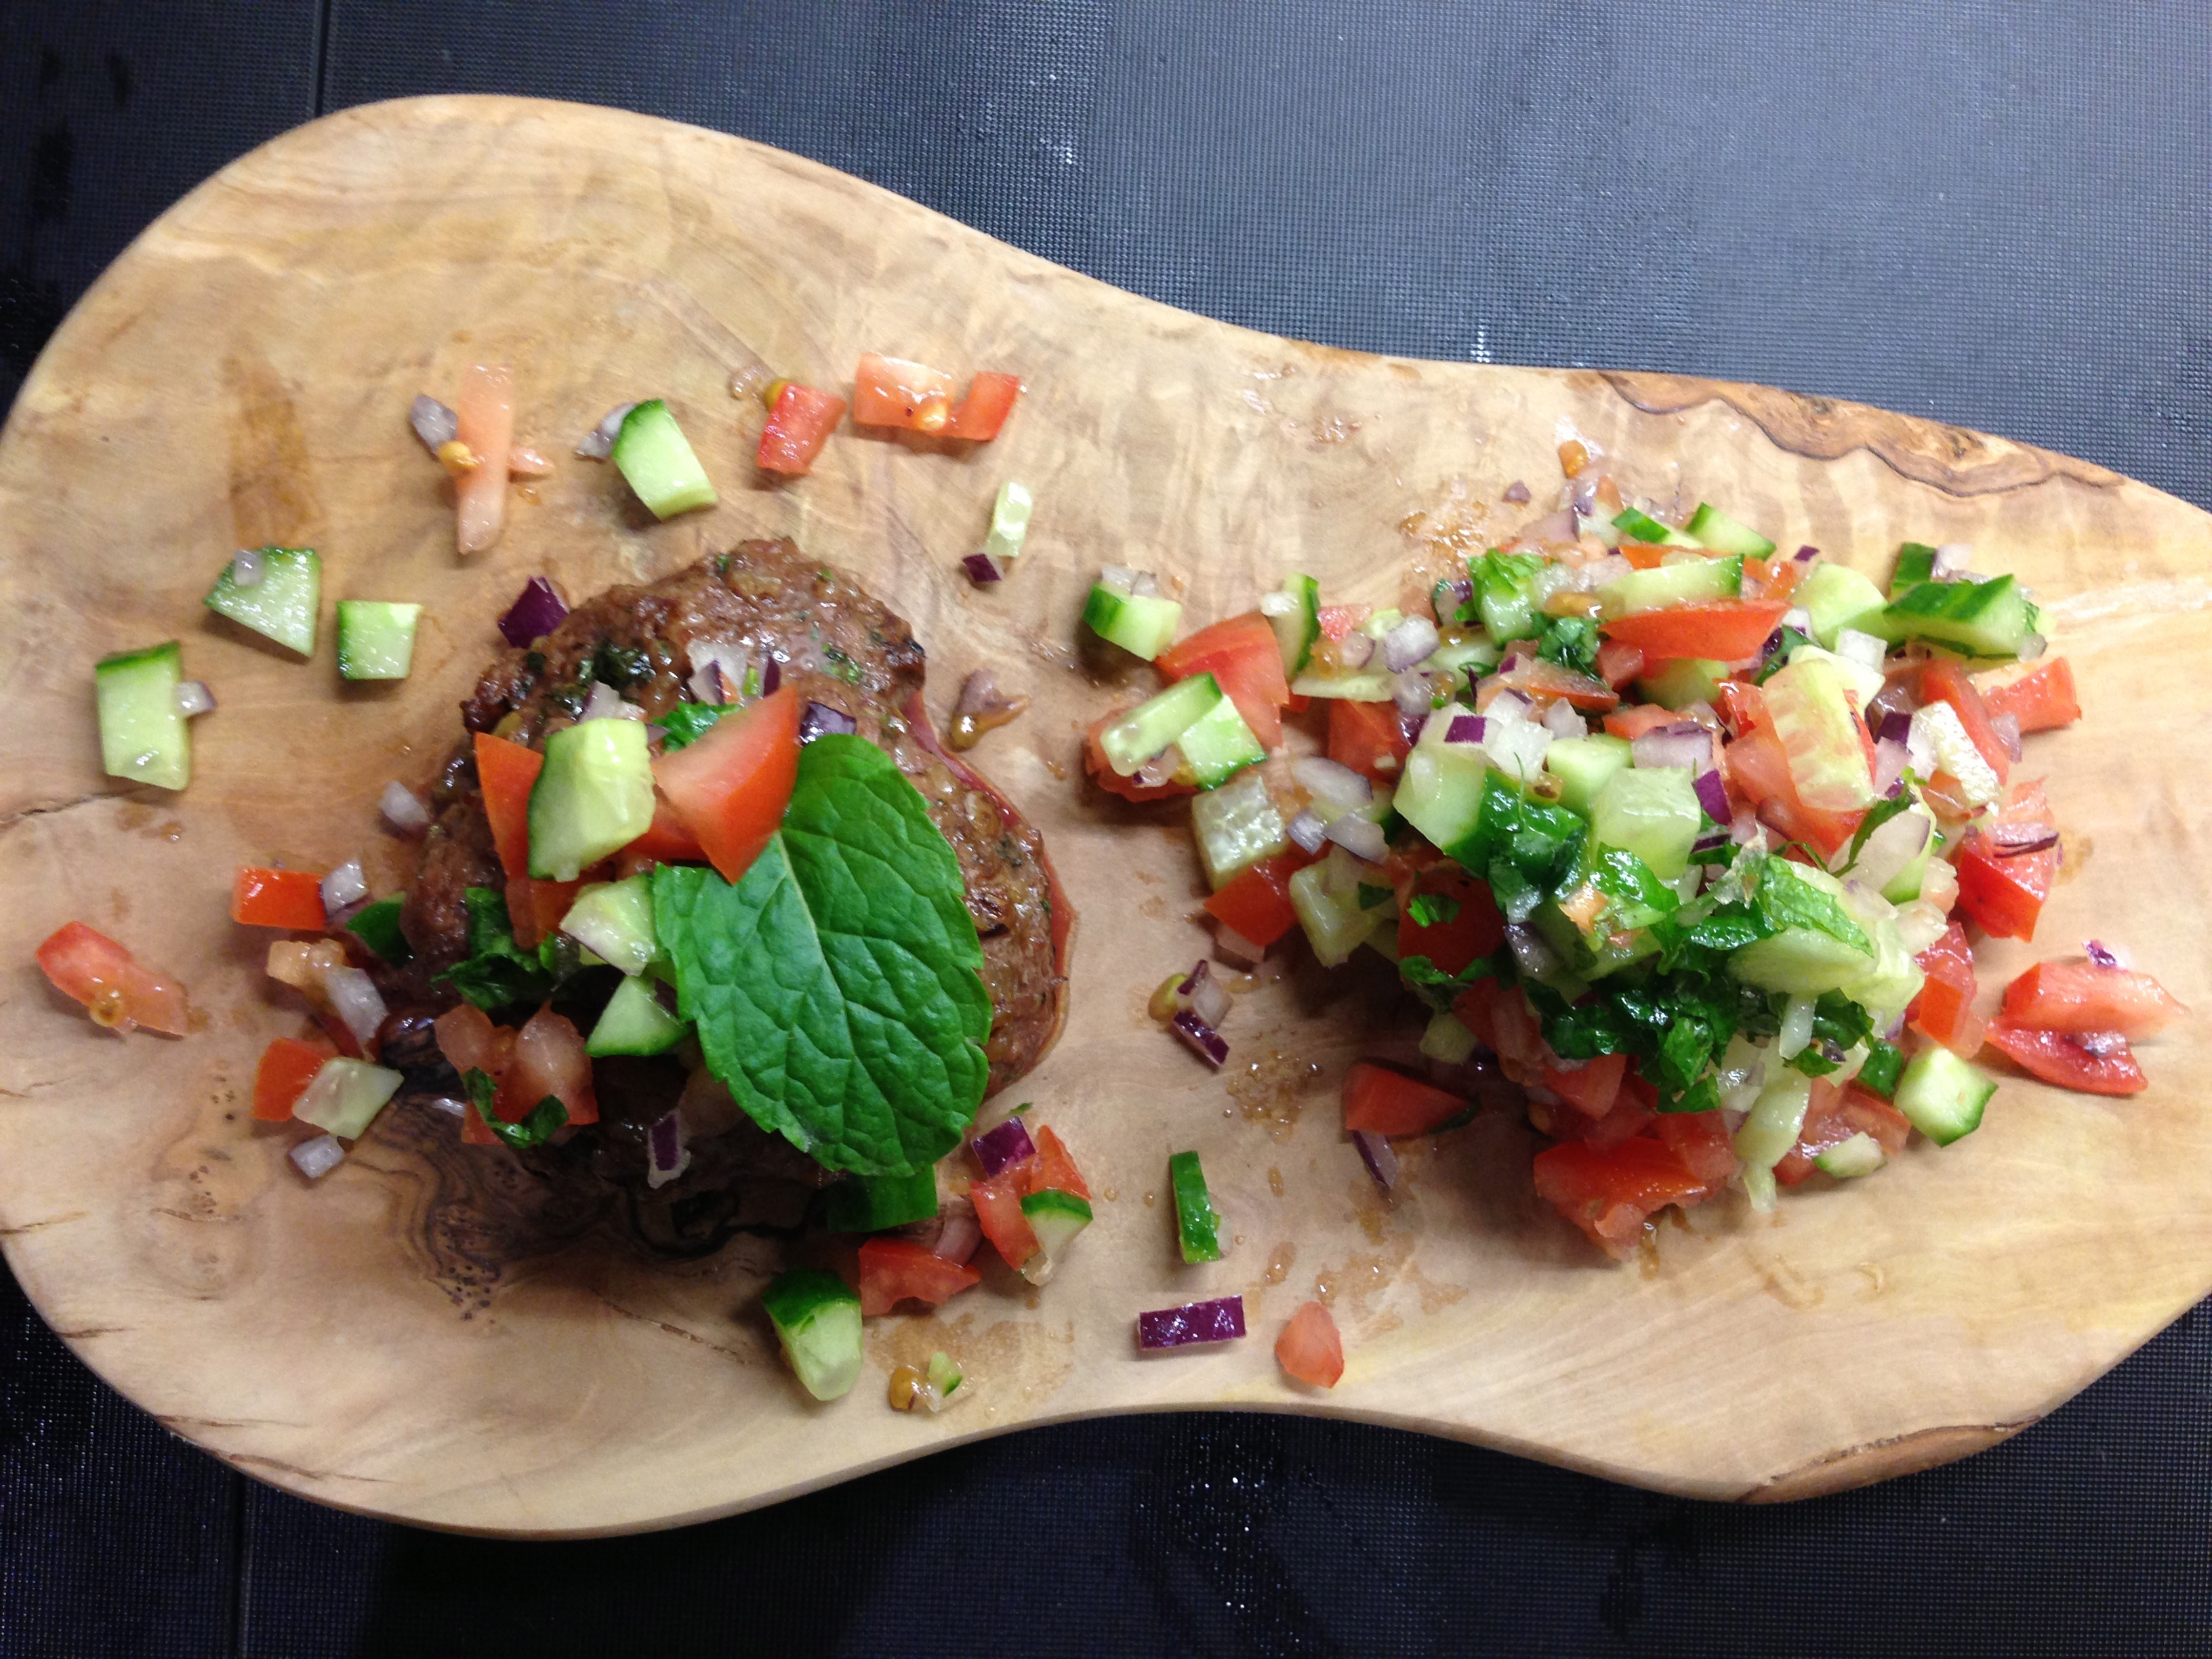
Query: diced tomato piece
1475,929
1758,770
1823,1127
1619,663
1550,681
534,908
1645,556
278,898
1634,721
990,399
484,422
288,1067
1368,738
1387,1103
2089,1063
1701,1140
1942,680
1741,707
1610,1193
893,392
730,786
1243,656
797,427
2003,896
1944,1009
1338,620
505,773
1500,1016
669,841
2080,996
1630,1114
119,990
1102,770
896,1270
2041,700
471,1043
1772,578
549,1058
1053,1169
1309,1348
997,1204
1726,630
1591,1087
475,1132
1257,903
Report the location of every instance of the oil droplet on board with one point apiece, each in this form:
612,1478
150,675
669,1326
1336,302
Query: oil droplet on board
1279,1263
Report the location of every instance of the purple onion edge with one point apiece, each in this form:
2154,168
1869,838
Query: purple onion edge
537,611
1221,1320
983,568
1712,795
999,1148
1200,1038
2100,953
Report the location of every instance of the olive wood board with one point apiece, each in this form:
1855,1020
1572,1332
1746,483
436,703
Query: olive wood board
415,1336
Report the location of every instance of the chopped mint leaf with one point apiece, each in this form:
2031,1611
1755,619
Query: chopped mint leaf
1436,987
1790,901
1432,909
1885,1062
837,988
377,925
1778,659
1371,895
687,723
496,971
1877,815
1569,642
535,1130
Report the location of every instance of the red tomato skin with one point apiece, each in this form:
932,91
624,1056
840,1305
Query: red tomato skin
1257,903
1242,655
1727,630
1701,1140
1634,721
85,964
471,1043
997,1204
2041,700
291,899
730,787
1542,679
505,773
1944,680
1610,1193
1944,1008
896,1270
287,1066
893,392
2057,1057
669,841
983,411
1309,1347
1103,774
2003,896
1386,1102
1475,931
1591,1087
1053,1169
797,427
549,1060
1368,738
1338,620
2080,996
1619,663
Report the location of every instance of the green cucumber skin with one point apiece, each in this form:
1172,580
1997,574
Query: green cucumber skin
1299,632
1152,725
281,606
1943,1096
868,1204
634,1022
1198,1225
817,1317
592,798
1648,529
376,639
1142,624
1217,746
656,459
1710,527
143,736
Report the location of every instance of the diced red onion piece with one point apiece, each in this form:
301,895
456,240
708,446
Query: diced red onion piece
1710,840
1332,780
1712,795
1685,745
1355,649
1161,769
1561,720
194,698
1744,828
1219,1321
2007,727
1200,1038
1412,694
820,721
1307,830
1896,724
2102,954
1512,705
958,1233
434,422
1409,642
1557,527
343,886
1120,577
771,677
1808,552
1203,994
318,1158
1361,837
1466,728
599,442
718,670
1379,1156
2098,1044
1145,586
1890,848
403,809
1952,559
536,613
1889,758
2031,645
247,568
668,1157
979,692
1001,1148
1799,618
981,568
2029,836
1228,942
1535,956
605,703
2045,840
355,1000
1516,492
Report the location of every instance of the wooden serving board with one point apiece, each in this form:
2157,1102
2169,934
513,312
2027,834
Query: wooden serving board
416,1338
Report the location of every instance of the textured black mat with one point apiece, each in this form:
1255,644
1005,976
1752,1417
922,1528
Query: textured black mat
1993,214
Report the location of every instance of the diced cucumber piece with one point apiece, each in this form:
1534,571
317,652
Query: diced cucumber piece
377,925
1651,811
1936,726
1864,684
1916,564
1603,529
1776,1119
1198,1223
1010,522
1801,961
1862,1155
1942,1095
1236,826
1334,926
1460,652
1140,735
141,732
376,639
1693,582
1440,793
1217,746
1822,736
1904,887
614,918
283,605
1142,624
635,1023
1639,526
1983,619
868,1204
1682,681
1447,1038
1885,1063
1837,596
1298,623
1055,1218
1362,686
656,459
1583,767
944,1375
345,1096
1710,527
592,798
817,1319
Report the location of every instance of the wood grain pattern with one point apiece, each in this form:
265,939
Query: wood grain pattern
415,1337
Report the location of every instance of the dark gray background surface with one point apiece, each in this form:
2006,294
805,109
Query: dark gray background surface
1995,214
